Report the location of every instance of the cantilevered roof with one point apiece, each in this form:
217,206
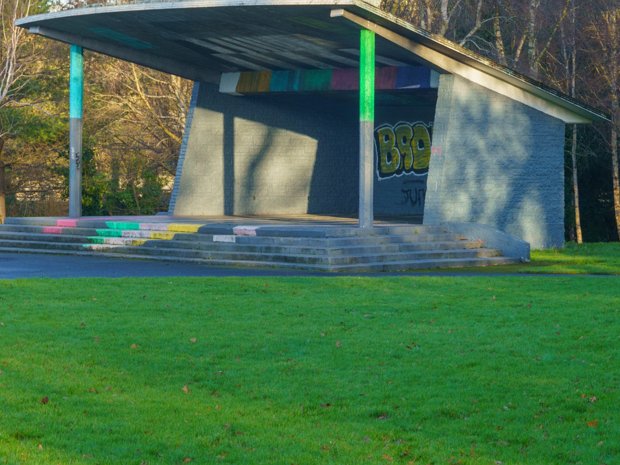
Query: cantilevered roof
201,39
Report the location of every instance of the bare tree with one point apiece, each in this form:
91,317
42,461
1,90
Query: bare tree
568,49
12,73
136,121
459,20
604,53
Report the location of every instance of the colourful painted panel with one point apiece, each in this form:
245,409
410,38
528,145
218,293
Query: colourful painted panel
316,80
345,79
254,82
413,77
385,79
284,81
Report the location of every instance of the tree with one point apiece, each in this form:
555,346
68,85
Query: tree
13,60
137,127
604,55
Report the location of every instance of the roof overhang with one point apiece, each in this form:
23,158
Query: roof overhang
201,39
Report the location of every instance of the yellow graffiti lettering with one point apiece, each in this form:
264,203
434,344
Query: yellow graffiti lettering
389,156
404,148
421,145
404,133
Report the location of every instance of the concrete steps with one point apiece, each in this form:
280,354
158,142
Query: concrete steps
318,247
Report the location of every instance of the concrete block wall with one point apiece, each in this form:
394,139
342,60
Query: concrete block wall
287,154
496,162
272,154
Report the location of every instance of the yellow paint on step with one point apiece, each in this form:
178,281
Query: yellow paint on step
184,227
162,235
137,242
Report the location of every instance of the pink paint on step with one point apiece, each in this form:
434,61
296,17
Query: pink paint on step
154,226
245,230
52,230
66,223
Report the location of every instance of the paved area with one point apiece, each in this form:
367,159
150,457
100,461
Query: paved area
22,265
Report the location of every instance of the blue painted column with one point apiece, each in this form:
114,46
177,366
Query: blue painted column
76,92
367,117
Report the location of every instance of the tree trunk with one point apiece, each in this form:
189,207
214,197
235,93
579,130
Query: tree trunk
573,93
616,181
531,40
573,152
2,184
614,20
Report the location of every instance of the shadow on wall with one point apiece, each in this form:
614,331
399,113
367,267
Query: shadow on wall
272,154
501,165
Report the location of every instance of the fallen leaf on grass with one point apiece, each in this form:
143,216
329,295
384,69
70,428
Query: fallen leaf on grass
187,459
45,400
338,344
134,346
593,423
193,340
185,389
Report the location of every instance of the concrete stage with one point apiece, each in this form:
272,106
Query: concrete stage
306,242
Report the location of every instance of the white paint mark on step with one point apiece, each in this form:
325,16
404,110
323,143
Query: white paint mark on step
223,238
245,230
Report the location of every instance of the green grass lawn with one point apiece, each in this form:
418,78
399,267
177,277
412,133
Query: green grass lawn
593,258
411,370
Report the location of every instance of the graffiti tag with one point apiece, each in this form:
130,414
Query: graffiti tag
413,196
403,148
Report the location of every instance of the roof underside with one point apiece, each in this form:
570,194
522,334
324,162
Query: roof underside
200,39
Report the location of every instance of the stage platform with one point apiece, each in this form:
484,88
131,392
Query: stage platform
308,242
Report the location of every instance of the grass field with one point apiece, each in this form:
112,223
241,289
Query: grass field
594,258
422,370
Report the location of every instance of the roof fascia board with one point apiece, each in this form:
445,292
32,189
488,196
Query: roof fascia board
495,80
166,65
180,4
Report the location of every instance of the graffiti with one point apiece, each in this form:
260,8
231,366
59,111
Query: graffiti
404,148
413,196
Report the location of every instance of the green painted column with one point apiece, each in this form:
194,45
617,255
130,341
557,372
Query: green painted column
367,117
76,92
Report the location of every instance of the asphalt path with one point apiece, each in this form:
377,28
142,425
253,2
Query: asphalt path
24,265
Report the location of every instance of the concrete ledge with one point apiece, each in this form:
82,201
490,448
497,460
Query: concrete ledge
509,246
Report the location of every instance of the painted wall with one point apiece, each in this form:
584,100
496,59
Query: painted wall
297,153
403,135
496,162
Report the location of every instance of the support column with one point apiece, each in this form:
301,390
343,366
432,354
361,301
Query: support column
367,117
76,91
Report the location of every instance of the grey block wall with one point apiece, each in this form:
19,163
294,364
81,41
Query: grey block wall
272,154
287,154
496,162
